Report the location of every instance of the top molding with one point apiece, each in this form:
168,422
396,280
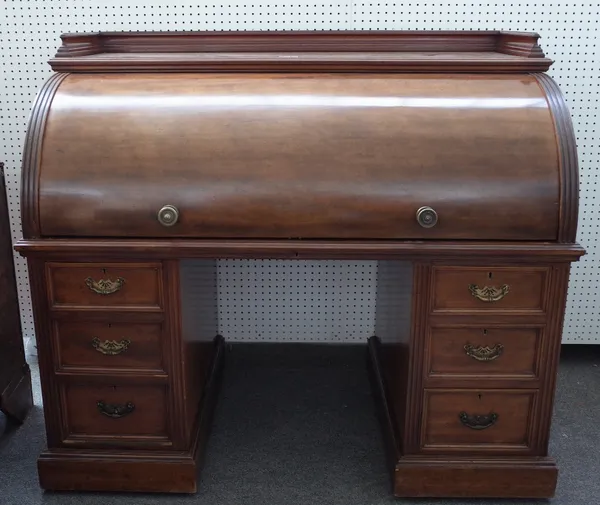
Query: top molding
316,51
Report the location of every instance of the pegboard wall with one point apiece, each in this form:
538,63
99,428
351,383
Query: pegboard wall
302,301
312,301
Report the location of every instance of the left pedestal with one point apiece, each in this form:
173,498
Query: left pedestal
129,374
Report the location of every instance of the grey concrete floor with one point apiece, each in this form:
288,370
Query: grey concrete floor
296,425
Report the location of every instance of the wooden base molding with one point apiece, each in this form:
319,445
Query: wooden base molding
475,478
141,471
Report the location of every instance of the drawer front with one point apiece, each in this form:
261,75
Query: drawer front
94,344
116,413
484,352
476,420
489,289
105,285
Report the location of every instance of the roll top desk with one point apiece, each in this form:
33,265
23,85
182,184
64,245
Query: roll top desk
449,157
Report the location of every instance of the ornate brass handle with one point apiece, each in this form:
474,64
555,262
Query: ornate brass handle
104,286
482,353
114,410
110,347
489,293
478,422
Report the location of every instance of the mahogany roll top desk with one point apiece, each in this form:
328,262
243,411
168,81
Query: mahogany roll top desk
449,157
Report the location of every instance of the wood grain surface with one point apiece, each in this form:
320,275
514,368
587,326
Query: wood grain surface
15,377
311,156
330,51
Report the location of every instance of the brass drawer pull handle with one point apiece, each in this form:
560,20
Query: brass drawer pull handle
114,410
482,353
110,347
489,293
104,286
478,422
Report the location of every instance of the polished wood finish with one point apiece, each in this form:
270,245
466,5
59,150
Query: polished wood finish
247,192
71,285
108,345
193,282
526,289
334,41
567,150
482,478
452,352
458,476
509,252
395,287
337,51
30,211
86,420
504,424
437,401
142,471
131,469
301,146
15,376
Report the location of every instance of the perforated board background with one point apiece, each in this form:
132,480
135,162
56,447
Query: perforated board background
291,301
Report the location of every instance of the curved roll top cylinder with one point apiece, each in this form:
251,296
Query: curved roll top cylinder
300,156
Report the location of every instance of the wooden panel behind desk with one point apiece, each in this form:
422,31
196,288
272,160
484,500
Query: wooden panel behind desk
15,376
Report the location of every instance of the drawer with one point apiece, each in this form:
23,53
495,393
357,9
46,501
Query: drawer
489,289
476,420
485,353
105,285
116,414
94,344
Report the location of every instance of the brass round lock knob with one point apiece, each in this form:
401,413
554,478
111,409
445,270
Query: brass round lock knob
427,217
168,215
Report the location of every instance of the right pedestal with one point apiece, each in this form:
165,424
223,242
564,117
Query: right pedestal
465,374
